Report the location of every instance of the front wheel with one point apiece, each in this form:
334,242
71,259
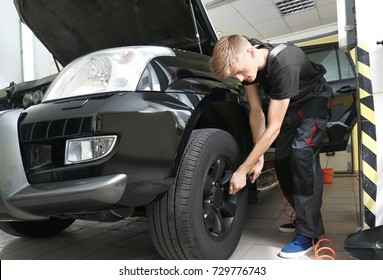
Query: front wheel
198,218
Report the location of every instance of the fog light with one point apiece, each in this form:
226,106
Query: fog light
88,149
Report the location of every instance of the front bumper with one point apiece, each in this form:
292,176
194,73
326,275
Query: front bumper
21,201
69,196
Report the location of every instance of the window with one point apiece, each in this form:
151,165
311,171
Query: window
337,63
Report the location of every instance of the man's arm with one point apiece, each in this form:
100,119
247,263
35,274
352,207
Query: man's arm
256,115
276,113
257,125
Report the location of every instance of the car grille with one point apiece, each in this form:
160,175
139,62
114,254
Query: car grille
55,128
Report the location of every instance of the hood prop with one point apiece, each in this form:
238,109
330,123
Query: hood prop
195,26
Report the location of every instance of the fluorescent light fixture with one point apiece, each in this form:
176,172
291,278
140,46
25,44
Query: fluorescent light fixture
289,7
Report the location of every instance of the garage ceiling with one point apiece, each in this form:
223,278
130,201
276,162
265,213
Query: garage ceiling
263,20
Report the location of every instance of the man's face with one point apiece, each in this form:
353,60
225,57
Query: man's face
246,67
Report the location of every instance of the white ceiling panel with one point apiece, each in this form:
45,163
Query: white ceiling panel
261,18
247,31
302,18
262,14
274,26
222,11
327,12
320,3
246,5
232,23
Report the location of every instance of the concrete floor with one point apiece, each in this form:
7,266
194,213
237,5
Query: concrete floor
129,239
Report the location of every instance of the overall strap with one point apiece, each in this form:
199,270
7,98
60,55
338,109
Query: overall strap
272,54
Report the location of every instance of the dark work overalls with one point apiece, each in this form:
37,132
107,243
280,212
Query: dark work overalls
291,75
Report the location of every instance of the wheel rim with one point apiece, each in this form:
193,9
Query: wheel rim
219,207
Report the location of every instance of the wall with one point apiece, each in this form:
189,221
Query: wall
10,59
22,56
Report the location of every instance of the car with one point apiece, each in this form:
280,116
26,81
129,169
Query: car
134,124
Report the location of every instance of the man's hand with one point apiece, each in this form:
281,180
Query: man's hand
256,170
237,182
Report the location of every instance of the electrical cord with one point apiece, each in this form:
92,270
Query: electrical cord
287,209
322,252
324,248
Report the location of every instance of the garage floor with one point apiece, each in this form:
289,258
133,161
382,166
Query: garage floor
129,239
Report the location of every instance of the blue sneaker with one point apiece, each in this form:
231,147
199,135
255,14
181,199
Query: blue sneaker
290,227
298,247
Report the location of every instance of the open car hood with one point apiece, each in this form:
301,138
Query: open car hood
72,28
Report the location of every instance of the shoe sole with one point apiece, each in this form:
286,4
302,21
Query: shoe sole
281,229
295,255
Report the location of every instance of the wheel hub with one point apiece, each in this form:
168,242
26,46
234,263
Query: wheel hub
219,208
216,197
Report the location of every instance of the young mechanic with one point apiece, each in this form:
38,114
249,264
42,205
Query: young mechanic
300,104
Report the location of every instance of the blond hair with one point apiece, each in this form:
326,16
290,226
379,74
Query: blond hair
226,53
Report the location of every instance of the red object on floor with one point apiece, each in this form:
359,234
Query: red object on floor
328,175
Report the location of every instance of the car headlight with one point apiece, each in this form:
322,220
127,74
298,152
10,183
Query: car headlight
109,70
88,149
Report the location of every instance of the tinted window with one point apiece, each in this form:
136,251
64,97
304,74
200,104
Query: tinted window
336,62
346,69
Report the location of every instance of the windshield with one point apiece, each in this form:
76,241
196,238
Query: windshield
117,69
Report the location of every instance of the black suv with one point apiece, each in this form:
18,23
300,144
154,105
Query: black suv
135,124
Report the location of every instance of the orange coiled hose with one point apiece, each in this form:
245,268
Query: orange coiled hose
287,209
322,252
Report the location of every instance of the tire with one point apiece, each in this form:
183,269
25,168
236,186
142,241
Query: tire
197,218
36,228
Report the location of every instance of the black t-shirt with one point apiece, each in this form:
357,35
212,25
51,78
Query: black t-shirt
292,75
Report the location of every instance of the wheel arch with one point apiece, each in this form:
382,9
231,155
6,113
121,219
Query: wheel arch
219,110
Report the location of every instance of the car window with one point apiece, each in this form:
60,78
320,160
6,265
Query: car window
328,59
346,69
336,62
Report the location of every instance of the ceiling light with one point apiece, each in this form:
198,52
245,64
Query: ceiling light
289,7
